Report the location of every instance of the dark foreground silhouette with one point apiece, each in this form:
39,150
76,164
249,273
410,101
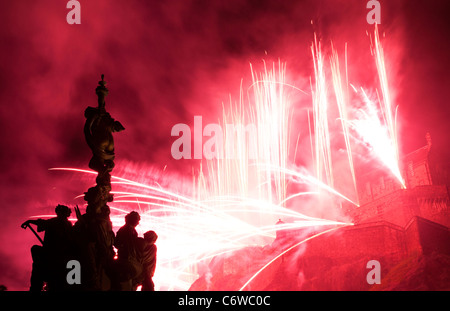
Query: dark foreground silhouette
91,241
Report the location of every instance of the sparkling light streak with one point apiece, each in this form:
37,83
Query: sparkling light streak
342,101
192,231
376,135
387,107
322,149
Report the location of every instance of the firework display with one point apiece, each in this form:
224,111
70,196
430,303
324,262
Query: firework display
261,153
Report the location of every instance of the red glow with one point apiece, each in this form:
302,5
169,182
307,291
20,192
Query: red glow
170,61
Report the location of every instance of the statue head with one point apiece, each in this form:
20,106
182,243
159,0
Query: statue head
62,211
150,236
132,218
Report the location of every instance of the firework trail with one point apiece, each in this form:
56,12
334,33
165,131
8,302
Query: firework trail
272,109
387,106
342,101
375,134
322,149
378,129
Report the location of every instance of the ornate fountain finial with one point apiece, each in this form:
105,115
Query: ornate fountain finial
101,91
98,131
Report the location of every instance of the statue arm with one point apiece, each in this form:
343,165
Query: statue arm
40,223
27,223
117,126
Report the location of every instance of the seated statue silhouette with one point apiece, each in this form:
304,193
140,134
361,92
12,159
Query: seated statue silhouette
136,256
147,257
128,266
49,260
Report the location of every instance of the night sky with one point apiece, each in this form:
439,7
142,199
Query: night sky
167,61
